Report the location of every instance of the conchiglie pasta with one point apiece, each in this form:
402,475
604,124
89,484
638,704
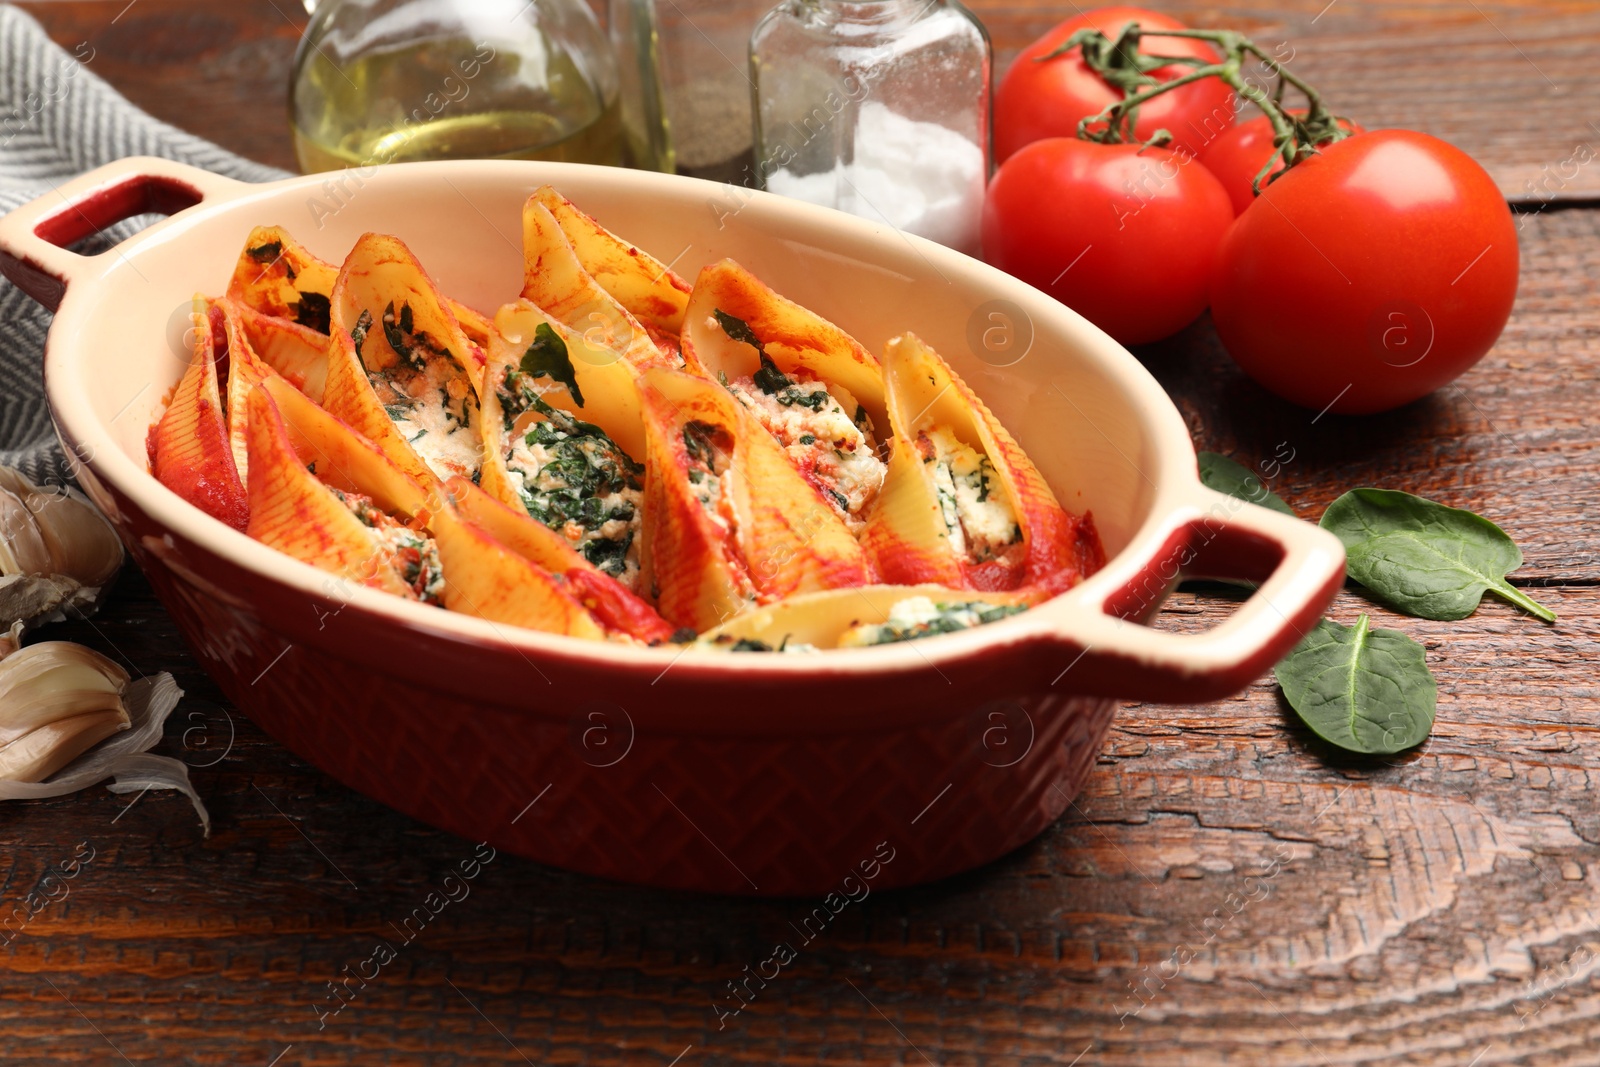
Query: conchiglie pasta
490,581
562,430
279,277
344,533
962,505
276,275
611,604
642,284
190,450
807,382
614,456
299,354
556,280
400,369
729,521
870,615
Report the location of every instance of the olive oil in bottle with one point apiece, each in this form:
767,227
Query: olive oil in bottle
359,99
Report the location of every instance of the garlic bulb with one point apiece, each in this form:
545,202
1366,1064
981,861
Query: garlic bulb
57,552
57,700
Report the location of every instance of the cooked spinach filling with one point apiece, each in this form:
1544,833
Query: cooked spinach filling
701,440
572,474
266,253
814,397
413,346
414,555
708,450
918,617
739,330
769,379
547,356
951,618
358,335
313,311
456,413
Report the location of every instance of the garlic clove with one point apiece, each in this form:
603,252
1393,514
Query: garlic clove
22,546
48,748
44,685
51,704
79,541
147,701
48,657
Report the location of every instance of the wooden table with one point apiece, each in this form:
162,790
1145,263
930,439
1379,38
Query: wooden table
1438,908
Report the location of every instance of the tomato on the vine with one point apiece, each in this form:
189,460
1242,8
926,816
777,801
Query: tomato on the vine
1125,236
1237,155
1369,275
1041,98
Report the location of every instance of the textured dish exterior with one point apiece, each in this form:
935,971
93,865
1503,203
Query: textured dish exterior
737,774
785,813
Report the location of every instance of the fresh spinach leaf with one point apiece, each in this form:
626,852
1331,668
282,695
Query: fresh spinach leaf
1225,476
1423,558
1362,689
548,356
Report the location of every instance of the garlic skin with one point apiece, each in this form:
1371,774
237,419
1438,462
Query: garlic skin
11,640
57,700
57,552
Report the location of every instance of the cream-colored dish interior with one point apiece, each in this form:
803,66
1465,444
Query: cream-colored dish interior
1099,428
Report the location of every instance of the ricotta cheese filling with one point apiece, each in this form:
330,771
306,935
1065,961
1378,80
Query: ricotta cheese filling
709,453
825,431
427,394
978,515
411,554
573,478
920,616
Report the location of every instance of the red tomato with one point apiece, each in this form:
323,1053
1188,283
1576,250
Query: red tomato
1046,99
1236,156
1127,238
1369,275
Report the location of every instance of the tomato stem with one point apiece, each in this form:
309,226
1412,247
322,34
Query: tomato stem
1124,66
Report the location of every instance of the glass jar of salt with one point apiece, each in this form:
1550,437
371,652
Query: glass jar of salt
876,107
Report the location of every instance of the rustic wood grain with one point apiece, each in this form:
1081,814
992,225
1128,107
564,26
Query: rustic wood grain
1438,908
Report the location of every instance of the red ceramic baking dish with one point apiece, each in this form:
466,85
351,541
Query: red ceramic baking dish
686,769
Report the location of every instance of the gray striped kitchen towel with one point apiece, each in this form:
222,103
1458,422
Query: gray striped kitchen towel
57,120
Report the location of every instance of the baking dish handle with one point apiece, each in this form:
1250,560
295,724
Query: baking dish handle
1299,567
34,237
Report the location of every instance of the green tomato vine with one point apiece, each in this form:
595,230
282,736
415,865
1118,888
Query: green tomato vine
1119,61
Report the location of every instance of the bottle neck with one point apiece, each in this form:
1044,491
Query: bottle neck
874,13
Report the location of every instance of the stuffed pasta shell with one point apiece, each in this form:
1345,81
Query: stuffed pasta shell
807,382
962,505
